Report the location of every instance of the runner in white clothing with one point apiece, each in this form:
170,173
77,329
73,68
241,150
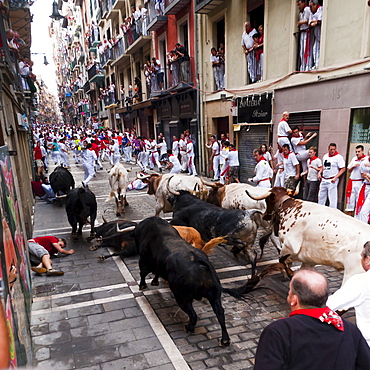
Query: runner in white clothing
291,168
363,201
333,168
190,156
356,293
247,45
173,162
215,157
355,179
314,165
284,130
263,170
279,167
299,145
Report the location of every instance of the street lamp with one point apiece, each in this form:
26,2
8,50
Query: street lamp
56,15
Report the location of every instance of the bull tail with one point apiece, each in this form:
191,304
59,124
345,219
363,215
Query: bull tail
208,247
263,240
103,258
246,288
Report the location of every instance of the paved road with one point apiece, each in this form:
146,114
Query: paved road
95,317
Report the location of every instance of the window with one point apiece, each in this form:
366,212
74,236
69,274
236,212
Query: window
307,122
183,35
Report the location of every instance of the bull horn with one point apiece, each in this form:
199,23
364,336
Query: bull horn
206,183
103,217
125,230
168,187
61,196
141,176
260,197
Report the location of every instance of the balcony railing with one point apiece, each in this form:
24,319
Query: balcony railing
156,17
118,49
93,71
105,57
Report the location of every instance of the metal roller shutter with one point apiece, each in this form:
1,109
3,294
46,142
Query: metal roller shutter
250,138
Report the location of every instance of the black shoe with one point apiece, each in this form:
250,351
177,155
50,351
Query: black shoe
83,185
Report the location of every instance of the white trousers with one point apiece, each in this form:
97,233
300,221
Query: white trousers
154,160
302,157
89,173
191,165
115,158
351,206
316,45
56,157
76,152
365,210
184,161
127,150
284,140
280,178
305,64
142,160
329,190
216,74
216,167
252,70
221,76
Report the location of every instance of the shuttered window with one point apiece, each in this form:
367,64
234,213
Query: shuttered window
307,122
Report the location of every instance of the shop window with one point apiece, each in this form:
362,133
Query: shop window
360,129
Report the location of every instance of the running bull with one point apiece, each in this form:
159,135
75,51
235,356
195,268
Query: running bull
189,272
80,205
234,196
212,221
61,181
158,186
314,234
118,181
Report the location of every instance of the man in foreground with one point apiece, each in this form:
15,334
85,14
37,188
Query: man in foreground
313,336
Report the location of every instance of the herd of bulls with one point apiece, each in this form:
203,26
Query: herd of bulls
206,215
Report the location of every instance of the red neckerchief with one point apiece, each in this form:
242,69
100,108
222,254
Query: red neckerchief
261,159
324,314
361,158
189,141
333,154
283,119
249,30
313,158
286,155
170,155
232,150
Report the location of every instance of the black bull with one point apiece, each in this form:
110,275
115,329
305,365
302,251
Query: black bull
61,181
212,221
81,204
189,273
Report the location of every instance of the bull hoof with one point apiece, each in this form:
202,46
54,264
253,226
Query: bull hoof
223,343
101,258
93,247
118,214
142,287
189,329
89,238
154,283
74,237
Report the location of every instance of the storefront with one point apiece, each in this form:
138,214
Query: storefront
252,126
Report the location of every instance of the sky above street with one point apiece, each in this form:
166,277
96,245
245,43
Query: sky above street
41,43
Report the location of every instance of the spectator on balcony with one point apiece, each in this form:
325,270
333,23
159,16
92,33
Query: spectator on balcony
144,20
221,58
137,17
112,93
138,96
173,66
305,56
24,71
153,77
184,61
315,24
159,72
247,45
214,59
159,7
258,49
129,33
147,76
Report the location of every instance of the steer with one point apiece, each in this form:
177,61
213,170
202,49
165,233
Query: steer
158,185
212,221
234,196
118,181
315,234
119,234
61,181
81,204
189,272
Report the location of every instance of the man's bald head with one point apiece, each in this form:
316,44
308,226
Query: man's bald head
311,288
285,115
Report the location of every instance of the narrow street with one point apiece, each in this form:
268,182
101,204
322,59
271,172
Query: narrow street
95,317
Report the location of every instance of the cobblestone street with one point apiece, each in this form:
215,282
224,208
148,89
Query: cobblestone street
95,317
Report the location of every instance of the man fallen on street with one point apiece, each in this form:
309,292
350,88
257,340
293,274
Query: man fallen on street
40,250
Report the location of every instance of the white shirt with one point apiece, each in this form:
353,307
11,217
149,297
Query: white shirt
312,174
304,16
115,149
175,147
214,58
263,171
247,39
279,158
355,293
356,172
232,158
88,157
298,148
176,164
283,128
268,157
289,165
223,155
216,147
190,149
316,16
332,165
182,145
162,147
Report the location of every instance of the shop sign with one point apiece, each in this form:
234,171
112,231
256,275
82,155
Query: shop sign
255,108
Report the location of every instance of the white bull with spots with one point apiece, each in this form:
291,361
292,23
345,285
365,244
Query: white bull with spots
316,235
